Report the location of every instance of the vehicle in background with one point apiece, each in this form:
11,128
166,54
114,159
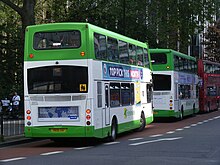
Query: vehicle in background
175,83
209,93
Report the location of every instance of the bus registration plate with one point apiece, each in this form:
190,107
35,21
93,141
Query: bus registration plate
58,129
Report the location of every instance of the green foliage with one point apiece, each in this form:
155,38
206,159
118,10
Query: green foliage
212,42
162,23
11,58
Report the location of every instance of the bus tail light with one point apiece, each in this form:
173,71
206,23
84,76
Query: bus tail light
28,117
31,55
171,104
28,112
88,122
88,117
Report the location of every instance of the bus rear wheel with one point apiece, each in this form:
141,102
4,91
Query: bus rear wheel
113,134
181,114
142,122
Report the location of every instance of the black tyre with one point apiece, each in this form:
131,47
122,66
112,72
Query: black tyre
181,114
142,122
208,107
113,134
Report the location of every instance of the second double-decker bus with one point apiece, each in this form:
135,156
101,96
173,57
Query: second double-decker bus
175,83
81,80
209,93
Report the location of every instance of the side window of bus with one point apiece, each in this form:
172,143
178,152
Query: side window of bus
149,93
181,64
158,58
99,94
132,94
140,56
132,54
211,91
190,66
100,46
146,59
208,68
184,92
123,52
176,63
185,65
125,94
112,49
114,94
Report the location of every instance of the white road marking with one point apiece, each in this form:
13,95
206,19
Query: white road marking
170,132
51,153
13,159
158,135
186,127
200,122
157,140
110,143
217,117
193,125
179,129
83,148
135,139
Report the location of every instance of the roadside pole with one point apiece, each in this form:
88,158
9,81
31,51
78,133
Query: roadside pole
1,123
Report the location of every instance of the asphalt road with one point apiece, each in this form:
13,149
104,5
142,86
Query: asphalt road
192,141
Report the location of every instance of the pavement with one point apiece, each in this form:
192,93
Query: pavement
15,140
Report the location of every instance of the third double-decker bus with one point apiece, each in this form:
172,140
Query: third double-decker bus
209,93
175,83
81,80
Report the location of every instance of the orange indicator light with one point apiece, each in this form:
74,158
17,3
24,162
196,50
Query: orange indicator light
88,111
82,54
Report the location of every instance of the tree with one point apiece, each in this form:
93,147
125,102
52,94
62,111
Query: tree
26,12
212,42
11,52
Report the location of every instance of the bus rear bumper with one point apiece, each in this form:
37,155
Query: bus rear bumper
166,113
59,131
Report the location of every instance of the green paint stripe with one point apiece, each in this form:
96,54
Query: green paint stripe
79,131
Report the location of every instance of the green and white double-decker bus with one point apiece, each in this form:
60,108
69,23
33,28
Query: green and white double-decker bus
175,82
81,80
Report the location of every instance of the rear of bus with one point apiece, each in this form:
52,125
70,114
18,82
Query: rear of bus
163,80
56,81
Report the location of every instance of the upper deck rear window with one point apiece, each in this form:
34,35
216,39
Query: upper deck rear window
158,58
57,40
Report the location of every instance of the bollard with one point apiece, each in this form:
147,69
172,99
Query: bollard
1,123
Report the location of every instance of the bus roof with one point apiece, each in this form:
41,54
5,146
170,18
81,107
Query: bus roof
71,25
173,52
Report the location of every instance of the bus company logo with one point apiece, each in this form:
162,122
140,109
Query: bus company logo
128,113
